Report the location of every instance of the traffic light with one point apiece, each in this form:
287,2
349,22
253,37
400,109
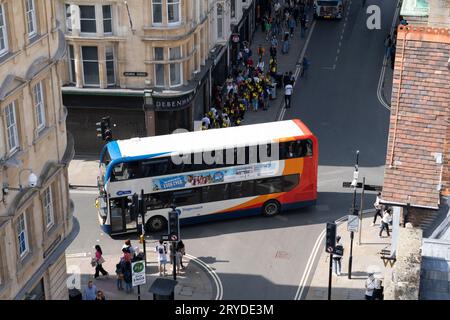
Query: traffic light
174,228
331,237
134,207
104,129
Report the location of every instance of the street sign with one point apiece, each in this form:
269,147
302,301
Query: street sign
138,273
173,237
165,237
352,223
367,187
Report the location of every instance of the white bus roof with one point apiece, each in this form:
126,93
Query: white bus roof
212,139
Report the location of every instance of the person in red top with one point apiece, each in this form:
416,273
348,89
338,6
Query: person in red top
99,260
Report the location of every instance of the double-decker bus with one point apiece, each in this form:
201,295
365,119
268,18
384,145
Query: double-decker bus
209,175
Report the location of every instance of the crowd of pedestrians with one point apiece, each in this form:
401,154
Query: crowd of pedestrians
252,83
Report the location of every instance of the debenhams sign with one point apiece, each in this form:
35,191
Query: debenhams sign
173,103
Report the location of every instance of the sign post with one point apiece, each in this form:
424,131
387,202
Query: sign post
330,244
138,275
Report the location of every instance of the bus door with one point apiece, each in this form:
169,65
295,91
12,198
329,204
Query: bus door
121,221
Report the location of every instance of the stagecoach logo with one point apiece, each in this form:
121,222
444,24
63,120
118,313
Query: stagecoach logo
123,193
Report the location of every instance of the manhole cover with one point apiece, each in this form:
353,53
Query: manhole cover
282,255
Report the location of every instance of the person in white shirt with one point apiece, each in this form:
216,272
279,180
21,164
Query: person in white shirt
161,250
370,286
385,222
378,208
206,122
287,95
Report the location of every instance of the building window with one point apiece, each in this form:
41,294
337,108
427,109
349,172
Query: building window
11,127
175,68
39,105
72,64
157,11
173,11
107,19
233,8
159,67
48,208
31,17
68,18
110,70
22,235
90,66
87,19
3,31
219,21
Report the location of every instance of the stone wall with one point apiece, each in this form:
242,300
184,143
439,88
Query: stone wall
403,281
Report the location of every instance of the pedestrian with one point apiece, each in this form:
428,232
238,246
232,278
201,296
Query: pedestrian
385,222
120,270
206,122
337,256
291,78
305,67
181,248
128,276
370,286
90,292
285,49
161,250
127,245
302,26
287,95
378,208
274,41
292,25
273,52
261,51
268,27
378,291
286,79
98,262
100,295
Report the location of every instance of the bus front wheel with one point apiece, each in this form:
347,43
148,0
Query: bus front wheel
156,224
271,208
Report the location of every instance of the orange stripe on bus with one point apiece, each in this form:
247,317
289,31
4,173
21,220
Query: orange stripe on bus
252,203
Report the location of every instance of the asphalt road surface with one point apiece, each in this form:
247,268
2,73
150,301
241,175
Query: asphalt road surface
265,258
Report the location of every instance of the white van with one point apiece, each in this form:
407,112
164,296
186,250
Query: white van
328,9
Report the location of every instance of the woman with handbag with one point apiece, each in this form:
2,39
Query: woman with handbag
98,262
181,249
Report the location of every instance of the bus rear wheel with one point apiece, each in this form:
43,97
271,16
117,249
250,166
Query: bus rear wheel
271,208
156,224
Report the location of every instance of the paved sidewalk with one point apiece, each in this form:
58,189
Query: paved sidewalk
366,258
193,283
83,172
285,62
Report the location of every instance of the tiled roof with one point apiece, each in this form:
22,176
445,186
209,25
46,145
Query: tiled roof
419,120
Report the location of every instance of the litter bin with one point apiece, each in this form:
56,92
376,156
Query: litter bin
273,91
75,294
163,289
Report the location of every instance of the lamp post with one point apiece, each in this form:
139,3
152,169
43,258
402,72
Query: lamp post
148,109
353,211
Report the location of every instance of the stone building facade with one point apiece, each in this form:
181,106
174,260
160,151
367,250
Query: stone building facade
36,223
173,50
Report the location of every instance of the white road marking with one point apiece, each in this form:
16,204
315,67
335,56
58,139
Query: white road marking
212,273
383,67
